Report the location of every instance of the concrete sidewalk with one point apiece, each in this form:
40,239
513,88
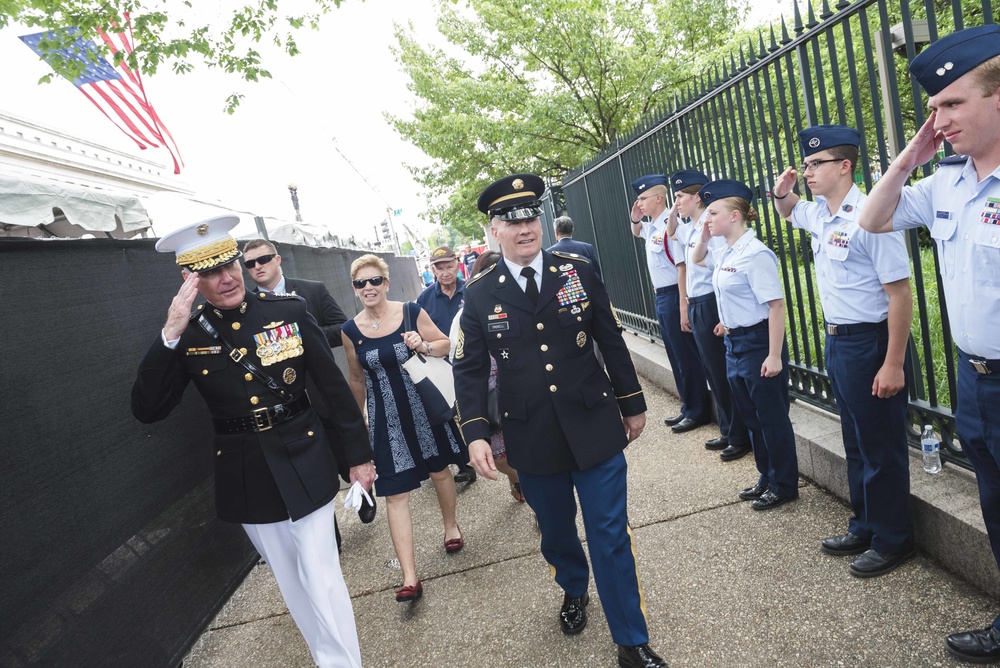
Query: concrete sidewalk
724,585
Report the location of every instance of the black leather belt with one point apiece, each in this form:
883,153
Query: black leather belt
261,419
736,331
856,328
701,298
985,367
666,289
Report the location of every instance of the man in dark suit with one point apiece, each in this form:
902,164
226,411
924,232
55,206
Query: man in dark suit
263,263
563,229
249,355
565,422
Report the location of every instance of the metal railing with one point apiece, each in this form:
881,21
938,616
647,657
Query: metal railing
846,65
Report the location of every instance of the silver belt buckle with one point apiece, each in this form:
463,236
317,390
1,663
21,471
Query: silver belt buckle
728,331
981,367
831,329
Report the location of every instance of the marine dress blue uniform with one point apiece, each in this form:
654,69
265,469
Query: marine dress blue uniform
852,265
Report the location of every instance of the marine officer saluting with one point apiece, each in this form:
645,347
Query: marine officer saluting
565,423
960,205
275,473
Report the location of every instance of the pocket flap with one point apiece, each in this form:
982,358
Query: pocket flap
512,407
944,229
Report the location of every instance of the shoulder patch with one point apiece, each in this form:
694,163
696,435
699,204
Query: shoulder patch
481,274
954,160
279,296
571,256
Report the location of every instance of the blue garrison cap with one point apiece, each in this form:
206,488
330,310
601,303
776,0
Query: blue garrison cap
644,183
688,177
514,197
947,59
821,137
722,189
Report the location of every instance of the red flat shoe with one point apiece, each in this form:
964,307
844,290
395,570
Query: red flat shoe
453,545
410,592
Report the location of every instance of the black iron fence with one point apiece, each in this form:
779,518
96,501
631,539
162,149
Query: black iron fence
845,64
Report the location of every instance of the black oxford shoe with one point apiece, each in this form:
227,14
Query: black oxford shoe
753,493
734,452
671,421
573,616
367,510
687,424
720,443
871,564
769,500
846,544
639,656
976,646
466,474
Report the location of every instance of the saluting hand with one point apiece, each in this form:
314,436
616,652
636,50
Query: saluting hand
784,184
179,312
634,424
922,147
636,212
481,458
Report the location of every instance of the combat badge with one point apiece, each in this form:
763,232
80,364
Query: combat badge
565,267
581,339
289,376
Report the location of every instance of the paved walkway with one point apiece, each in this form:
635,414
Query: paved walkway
724,585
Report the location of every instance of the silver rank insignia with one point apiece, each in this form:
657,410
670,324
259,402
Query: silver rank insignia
581,339
289,376
505,353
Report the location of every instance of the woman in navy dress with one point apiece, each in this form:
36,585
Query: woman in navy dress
407,448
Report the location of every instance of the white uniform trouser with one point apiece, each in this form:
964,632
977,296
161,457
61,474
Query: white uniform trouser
303,557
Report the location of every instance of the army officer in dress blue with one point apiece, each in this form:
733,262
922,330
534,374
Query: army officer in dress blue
275,473
960,205
565,423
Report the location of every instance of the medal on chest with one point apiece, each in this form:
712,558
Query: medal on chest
278,344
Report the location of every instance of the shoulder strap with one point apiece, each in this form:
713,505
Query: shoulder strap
242,360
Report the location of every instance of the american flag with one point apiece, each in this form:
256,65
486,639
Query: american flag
119,94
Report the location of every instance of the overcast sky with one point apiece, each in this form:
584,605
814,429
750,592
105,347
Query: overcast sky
333,94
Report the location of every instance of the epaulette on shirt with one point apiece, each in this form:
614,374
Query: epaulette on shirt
278,296
197,311
570,256
480,275
954,160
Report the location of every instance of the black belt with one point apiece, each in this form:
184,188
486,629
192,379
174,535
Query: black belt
736,331
701,298
985,367
261,419
856,328
666,289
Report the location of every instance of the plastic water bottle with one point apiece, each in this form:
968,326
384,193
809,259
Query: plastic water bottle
931,449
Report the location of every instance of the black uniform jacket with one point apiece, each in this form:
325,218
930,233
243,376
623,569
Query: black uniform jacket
267,476
322,305
559,410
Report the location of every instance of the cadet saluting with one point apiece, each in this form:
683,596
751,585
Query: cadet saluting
275,473
960,205
538,314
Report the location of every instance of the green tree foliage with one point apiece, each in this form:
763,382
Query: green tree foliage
168,32
543,85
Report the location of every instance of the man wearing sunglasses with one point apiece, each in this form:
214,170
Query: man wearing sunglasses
249,355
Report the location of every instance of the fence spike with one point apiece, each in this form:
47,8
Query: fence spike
743,60
843,4
732,64
718,79
774,42
798,18
763,49
812,22
826,13
785,39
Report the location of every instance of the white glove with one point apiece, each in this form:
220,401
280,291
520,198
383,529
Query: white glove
355,495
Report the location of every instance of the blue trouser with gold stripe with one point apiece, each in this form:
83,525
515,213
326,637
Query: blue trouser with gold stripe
603,500
874,434
763,403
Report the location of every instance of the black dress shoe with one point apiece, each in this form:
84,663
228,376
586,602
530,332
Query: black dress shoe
719,443
734,452
671,421
871,564
367,510
639,656
846,544
753,493
687,424
976,646
466,474
573,615
769,500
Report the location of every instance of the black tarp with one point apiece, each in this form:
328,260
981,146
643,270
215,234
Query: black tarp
111,552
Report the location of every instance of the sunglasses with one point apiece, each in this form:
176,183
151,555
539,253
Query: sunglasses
262,260
376,281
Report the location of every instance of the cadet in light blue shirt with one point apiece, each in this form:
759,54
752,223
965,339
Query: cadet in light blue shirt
703,312
864,285
752,311
960,204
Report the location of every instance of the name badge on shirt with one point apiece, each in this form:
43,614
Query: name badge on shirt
942,215
498,326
